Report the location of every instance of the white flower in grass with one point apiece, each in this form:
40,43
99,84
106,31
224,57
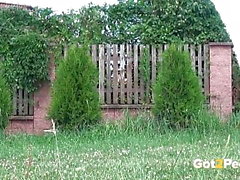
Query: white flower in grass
53,130
80,169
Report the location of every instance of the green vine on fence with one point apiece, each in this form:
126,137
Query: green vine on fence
26,62
144,68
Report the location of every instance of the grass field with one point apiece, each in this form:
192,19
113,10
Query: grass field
110,154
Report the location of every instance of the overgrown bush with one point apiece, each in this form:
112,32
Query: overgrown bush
75,100
177,93
5,102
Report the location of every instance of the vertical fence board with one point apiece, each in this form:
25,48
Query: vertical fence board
147,84
129,74
108,82
154,66
122,73
206,70
160,51
31,103
166,46
25,103
65,50
200,64
94,53
135,74
141,78
193,56
101,73
115,74
14,102
20,102
185,47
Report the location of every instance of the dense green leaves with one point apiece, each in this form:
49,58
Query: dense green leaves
75,100
177,92
5,102
26,62
158,21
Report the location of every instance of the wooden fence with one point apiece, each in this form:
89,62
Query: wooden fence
121,83
23,104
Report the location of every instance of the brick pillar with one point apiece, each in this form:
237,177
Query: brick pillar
42,101
221,78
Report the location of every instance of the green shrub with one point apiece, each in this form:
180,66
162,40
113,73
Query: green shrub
75,100
5,102
177,91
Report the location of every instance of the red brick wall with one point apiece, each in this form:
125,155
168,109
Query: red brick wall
7,5
221,78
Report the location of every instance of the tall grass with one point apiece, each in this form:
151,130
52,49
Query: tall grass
136,148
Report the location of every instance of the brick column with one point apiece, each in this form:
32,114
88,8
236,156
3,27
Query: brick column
42,101
221,78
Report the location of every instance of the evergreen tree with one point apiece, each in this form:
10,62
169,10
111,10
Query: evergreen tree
177,91
5,102
75,100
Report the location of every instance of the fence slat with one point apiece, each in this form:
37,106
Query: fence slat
135,74
129,74
154,66
115,74
185,47
25,102
94,53
200,64
14,102
122,73
193,56
101,73
31,103
206,70
108,82
147,84
160,51
20,102
141,78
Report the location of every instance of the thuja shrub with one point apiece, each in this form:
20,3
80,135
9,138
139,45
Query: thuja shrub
177,92
5,102
75,100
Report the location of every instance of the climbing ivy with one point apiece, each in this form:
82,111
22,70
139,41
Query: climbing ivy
26,62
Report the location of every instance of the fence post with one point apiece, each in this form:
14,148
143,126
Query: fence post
221,78
42,100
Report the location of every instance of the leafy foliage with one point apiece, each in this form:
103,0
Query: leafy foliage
23,49
75,100
158,21
5,105
177,92
27,62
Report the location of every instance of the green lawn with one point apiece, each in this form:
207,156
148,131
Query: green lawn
95,155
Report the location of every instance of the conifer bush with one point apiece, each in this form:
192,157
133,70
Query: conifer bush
5,102
177,92
75,100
